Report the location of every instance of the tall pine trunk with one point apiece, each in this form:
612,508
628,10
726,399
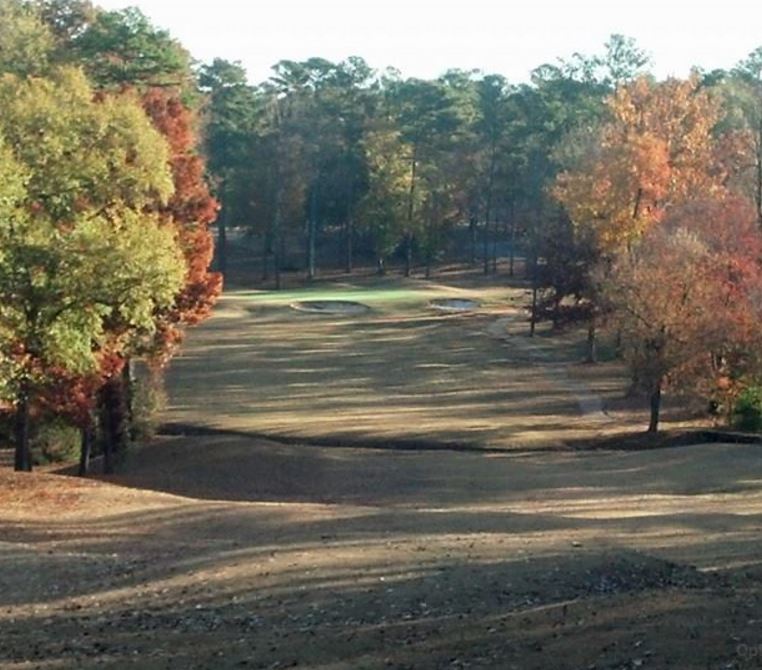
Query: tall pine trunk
485,244
512,240
535,290
23,455
266,254
277,262
592,341
222,242
411,212
488,208
494,249
408,254
312,235
348,233
655,401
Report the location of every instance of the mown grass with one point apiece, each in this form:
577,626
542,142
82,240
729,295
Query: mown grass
399,372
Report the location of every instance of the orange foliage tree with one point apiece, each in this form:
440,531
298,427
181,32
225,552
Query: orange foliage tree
655,152
679,275
686,299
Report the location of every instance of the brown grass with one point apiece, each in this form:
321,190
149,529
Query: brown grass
222,549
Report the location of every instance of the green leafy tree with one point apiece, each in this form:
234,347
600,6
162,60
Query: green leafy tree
427,118
26,43
383,209
745,99
231,135
124,49
83,268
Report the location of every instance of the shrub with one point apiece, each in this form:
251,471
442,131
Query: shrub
149,399
747,414
55,441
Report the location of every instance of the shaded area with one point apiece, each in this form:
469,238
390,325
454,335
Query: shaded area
435,497
231,467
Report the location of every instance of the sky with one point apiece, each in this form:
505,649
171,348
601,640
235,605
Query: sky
423,38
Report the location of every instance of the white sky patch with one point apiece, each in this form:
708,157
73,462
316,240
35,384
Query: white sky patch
423,38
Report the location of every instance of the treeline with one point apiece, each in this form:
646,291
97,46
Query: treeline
373,163
104,216
637,204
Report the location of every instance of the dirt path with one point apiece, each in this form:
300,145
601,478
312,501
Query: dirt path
590,403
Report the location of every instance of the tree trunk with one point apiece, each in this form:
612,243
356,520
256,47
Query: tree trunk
653,425
556,318
23,455
348,232
86,449
113,413
485,245
267,249
222,242
277,242
312,235
592,342
533,316
472,231
411,212
408,254
758,185
512,240
488,208
128,386
494,249
380,266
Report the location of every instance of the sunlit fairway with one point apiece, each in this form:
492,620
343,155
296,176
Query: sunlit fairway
402,372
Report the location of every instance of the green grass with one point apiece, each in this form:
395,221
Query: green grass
364,295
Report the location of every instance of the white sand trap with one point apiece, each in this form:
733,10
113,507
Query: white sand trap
345,307
455,305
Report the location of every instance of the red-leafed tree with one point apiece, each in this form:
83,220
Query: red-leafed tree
687,300
191,210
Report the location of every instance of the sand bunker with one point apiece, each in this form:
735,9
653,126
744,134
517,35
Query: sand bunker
455,305
330,307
